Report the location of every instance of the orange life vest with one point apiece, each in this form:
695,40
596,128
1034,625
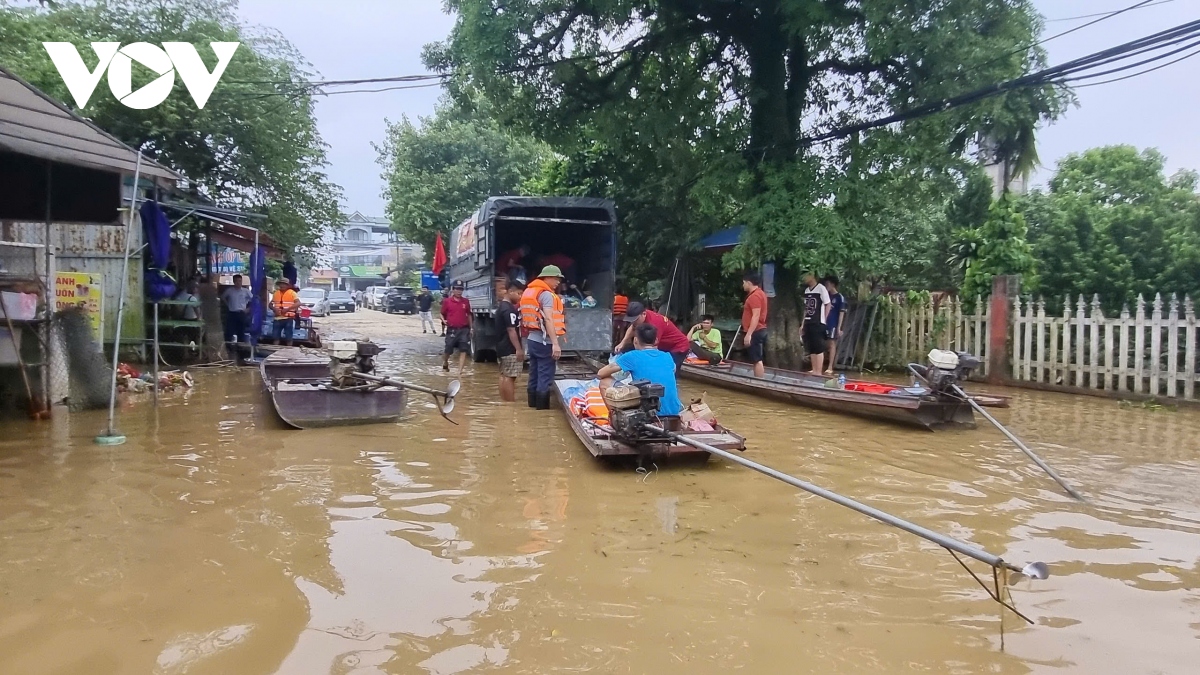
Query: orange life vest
531,309
591,406
286,303
620,305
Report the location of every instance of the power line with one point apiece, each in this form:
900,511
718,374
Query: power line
1104,14
1143,72
1103,17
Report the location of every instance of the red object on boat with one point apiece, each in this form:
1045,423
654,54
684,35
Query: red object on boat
305,312
870,387
439,255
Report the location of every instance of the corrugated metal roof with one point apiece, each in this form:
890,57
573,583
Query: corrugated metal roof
34,124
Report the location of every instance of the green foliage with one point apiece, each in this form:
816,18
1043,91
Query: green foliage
440,170
1112,224
958,241
248,148
693,115
1003,249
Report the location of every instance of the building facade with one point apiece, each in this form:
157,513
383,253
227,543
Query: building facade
363,251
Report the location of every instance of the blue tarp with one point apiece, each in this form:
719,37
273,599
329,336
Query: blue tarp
725,239
258,275
157,230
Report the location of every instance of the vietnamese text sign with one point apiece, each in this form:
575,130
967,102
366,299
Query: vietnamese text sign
80,289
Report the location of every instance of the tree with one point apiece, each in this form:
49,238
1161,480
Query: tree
1003,249
1113,225
773,74
254,146
440,170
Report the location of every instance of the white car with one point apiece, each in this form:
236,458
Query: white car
314,299
375,297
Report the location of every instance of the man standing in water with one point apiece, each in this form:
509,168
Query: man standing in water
284,304
509,352
754,321
456,314
835,323
812,326
425,309
237,300
544,323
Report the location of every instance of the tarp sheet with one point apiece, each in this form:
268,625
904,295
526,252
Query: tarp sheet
495,206
157,230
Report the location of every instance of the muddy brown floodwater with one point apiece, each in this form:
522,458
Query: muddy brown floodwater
216,541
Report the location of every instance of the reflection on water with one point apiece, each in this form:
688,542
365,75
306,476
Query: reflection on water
217,542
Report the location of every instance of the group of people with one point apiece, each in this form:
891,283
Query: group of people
821,326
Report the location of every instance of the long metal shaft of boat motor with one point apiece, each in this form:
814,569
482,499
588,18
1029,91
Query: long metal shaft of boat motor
1017,442
1035,570
446,405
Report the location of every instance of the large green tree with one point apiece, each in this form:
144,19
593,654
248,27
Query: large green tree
441,169
255,144
773,74
1112,223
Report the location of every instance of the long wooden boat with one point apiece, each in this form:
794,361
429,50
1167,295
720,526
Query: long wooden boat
299,385
600,443
925,411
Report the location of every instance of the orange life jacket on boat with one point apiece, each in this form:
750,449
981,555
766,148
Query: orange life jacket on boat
531,309
620,305
591,406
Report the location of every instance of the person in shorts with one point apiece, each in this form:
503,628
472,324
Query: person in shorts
812,326
456,314
754,321
509,351
835,323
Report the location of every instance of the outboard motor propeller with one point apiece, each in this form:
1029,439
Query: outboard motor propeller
347,357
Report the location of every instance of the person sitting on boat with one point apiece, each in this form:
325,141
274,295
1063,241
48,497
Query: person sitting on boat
647,362
706,340
670,338
284,305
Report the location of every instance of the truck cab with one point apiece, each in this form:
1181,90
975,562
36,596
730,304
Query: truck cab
580,231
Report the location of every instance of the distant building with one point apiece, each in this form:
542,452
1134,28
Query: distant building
360,252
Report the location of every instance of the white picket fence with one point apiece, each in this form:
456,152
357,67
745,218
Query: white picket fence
905,331
1151,355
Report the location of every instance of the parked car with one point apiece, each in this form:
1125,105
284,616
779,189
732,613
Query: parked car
373,298
341,301
401,299
314,300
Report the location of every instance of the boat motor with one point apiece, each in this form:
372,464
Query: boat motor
946,369
352,357
629,414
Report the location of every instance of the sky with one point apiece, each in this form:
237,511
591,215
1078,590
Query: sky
353,39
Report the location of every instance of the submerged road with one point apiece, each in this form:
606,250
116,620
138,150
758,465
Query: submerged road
216,541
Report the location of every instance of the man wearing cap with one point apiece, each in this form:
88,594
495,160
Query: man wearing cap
544,325
456,314
284,305
670,338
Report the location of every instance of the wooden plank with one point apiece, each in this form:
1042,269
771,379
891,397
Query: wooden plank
1041,340
1123,358
1173,346
1066,343
1156,344
1079,337
1139,346
1095,321
978,336
1018,362
1110,353
1052,352
1189,359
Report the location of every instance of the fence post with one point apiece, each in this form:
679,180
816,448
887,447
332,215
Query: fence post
1017,322
1155,344
1173,347
1079,327
1189,360
1110,353
1004,288
977,328
1123,359
1066,342
1095,322
1139,346
1039,365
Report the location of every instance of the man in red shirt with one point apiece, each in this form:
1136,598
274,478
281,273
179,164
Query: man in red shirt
670,338
754,321
456,314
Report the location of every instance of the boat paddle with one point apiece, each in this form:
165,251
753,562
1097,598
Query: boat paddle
1017,442
1034,570
445,405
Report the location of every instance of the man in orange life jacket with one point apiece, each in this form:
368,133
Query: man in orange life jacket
284,305
544,324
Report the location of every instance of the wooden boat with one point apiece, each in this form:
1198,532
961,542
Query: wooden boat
603,444
925,411
299,384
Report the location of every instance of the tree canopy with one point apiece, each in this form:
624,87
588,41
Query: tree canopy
1111,223
438,171
254,146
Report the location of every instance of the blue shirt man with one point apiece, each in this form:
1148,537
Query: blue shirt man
646,362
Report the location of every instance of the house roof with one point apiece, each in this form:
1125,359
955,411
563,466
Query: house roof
33,124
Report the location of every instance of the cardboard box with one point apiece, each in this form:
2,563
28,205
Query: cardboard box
697,410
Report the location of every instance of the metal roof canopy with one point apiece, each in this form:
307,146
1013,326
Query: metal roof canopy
33,124
227,231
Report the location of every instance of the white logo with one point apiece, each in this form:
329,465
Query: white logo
178,57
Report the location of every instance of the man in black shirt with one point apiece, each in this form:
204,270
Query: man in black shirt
509,351
425,309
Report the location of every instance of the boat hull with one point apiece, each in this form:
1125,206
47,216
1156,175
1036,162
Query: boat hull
608,447
925,412
299,386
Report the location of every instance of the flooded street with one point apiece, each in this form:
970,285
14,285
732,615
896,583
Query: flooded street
216,541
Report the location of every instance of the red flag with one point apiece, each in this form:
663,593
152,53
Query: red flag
439,255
